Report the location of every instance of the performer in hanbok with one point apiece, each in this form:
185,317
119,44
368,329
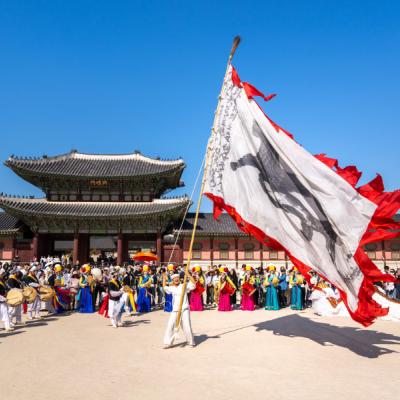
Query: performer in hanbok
248,289
175,289
283,288
226,289
128,283
4,314
271,283
34,307
296,294
168,296
62,299
85,291
196,295
325,302
14,282
116,300
74,289
144,295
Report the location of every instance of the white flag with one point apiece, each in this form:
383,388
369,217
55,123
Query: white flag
275,189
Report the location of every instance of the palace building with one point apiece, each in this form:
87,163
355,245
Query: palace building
116,204
92,203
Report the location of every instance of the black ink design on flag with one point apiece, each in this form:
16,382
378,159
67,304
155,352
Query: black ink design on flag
285,190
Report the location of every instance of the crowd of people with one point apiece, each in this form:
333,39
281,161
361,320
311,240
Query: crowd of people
56,285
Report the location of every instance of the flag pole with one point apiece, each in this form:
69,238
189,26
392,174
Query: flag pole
235,45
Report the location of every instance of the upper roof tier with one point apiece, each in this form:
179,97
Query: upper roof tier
93,166
74,169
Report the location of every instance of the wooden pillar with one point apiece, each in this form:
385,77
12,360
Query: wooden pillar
125,249
120,249
180,252
14,240
212,250
236,252
75,250
35,246
159,247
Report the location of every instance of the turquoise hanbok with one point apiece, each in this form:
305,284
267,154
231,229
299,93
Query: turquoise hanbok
296,295
271,297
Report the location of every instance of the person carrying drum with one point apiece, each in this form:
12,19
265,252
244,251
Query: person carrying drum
34,307
14,282
4,316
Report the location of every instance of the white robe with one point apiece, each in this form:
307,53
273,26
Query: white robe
176,292
4,313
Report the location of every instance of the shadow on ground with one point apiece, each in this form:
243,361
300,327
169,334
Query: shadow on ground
363,342
129,324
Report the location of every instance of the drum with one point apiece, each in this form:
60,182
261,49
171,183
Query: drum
299,279
46,293
247,288
15,297
97,274
228,288
199,288
91,281
30,294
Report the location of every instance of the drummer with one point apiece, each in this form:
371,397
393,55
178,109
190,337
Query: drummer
34,307
4,316
14,282
128,280
116,300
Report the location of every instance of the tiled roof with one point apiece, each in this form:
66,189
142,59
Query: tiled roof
82,165
8,224
206,225
26,206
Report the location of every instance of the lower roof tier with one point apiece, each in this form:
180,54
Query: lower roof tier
49,216
43,207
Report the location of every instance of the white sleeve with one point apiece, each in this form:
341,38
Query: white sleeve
190,286
167,289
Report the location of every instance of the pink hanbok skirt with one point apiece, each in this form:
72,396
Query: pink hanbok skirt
224,303
247,303
196,302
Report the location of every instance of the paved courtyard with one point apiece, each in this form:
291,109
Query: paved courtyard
240,355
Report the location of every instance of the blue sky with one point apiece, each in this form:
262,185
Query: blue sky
112,77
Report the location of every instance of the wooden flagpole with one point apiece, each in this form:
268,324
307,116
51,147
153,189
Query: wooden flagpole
235,44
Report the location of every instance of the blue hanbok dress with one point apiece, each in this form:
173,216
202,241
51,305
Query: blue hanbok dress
168,299
296,296
144,297
271,297
85,297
